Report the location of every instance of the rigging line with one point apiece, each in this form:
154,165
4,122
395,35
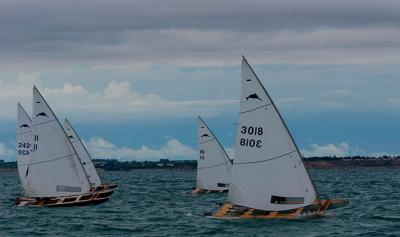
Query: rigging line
207,141
259,161
211,166
256,108
44,122
59,158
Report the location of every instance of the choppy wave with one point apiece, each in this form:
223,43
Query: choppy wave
157,203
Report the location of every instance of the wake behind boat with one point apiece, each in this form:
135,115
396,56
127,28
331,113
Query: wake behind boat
269,179
213,165
53,174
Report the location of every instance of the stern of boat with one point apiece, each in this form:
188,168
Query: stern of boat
319,208
94,197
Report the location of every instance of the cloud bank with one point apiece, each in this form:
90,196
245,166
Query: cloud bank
104,33
117,100
339,150
172,149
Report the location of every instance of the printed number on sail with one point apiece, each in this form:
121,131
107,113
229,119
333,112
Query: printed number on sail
24,145
21,150
257,131
252,130
250,142
202,154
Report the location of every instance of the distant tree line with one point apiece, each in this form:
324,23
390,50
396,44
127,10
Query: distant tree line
115,165
311,162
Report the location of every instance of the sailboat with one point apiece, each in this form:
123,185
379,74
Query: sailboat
213,165
86,160
269,179
55,175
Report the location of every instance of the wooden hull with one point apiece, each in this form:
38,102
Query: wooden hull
104,187
319,208
97,195
206,191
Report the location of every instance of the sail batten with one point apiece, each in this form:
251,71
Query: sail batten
268,173
207,141
55,169
213,165
55,159
260,161
262,106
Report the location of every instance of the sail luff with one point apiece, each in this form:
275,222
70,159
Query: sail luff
90,171
282,120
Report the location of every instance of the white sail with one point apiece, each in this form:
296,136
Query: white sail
268,172
54,169
213,165
83,154
24,144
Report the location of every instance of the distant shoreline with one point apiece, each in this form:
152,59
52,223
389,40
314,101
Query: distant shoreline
8,170
190,165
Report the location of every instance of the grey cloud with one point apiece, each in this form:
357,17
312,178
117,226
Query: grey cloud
160,30
100,15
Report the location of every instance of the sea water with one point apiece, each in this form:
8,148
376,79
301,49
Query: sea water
159,203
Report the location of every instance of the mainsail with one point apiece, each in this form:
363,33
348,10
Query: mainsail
213,165
24,144
268,172
83,154
54,169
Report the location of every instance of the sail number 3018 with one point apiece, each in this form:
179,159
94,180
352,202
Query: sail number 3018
258,131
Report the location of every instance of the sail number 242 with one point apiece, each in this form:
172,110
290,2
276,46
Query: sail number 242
23,148
257,131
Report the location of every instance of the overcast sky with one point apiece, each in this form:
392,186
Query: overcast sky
147,60
147,32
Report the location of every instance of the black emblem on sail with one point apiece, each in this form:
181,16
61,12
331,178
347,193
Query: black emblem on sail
254,97
248,79
70,136
37,102
205,135
42,114
24,126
